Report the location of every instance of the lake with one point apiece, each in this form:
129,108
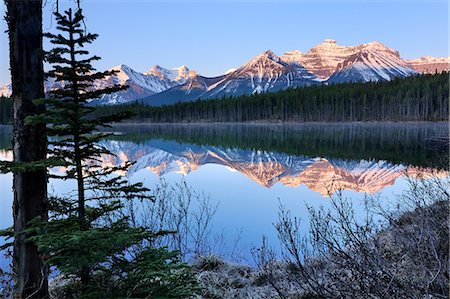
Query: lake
248,170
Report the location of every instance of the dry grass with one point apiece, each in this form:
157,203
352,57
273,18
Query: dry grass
404,256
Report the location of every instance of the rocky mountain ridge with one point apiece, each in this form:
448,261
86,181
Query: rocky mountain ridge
327,62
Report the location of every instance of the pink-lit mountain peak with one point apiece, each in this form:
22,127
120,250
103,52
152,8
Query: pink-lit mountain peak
266,72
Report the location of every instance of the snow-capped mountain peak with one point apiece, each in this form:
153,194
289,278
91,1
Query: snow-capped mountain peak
327,45
266,62
230,71
141,85
264,57
371,62
292,56
377,46
322,59
179,74
327,61
123,73
264,72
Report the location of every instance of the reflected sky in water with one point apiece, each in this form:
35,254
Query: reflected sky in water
250,169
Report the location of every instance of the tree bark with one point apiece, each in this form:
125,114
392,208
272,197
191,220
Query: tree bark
29,142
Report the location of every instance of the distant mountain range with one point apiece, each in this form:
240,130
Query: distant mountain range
325,63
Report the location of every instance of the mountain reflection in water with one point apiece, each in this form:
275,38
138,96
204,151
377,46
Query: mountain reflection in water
249,170
321,175
324,157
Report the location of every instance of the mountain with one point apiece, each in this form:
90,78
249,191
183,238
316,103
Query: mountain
194,88
264,73
141,85
326,62
180,75
263,167
362,63
321,60
371,62
5,91
430,65
266,168
49,84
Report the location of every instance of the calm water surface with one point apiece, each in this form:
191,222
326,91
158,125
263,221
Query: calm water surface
248,170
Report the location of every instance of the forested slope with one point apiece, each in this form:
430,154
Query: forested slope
5,110
417,98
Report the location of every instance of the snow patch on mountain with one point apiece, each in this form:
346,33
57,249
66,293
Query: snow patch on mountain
321,60
366,62
263,73
180,74
266,72
141,85
230,71
372,62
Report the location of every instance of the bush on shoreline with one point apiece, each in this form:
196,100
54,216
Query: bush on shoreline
403,256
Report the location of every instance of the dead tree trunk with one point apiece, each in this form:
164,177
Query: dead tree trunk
29,142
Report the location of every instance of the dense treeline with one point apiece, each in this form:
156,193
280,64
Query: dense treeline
5,110
397,143
5,138
417,98
407,144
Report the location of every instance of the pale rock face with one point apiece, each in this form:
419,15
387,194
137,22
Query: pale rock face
264,73
49,85
430,65
371,62
141,85
326,62
180,74
126,75
323,59
195,88
366,62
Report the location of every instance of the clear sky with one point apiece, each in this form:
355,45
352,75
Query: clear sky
216,35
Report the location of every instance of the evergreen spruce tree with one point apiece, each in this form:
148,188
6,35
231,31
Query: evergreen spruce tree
88,237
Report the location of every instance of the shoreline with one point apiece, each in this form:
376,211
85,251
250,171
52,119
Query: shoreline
270,123
263,123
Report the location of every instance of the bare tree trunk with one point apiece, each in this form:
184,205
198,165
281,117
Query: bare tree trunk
30,187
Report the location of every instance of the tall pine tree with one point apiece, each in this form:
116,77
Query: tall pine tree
88,237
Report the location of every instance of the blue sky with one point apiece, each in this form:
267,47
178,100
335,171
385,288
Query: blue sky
216,35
